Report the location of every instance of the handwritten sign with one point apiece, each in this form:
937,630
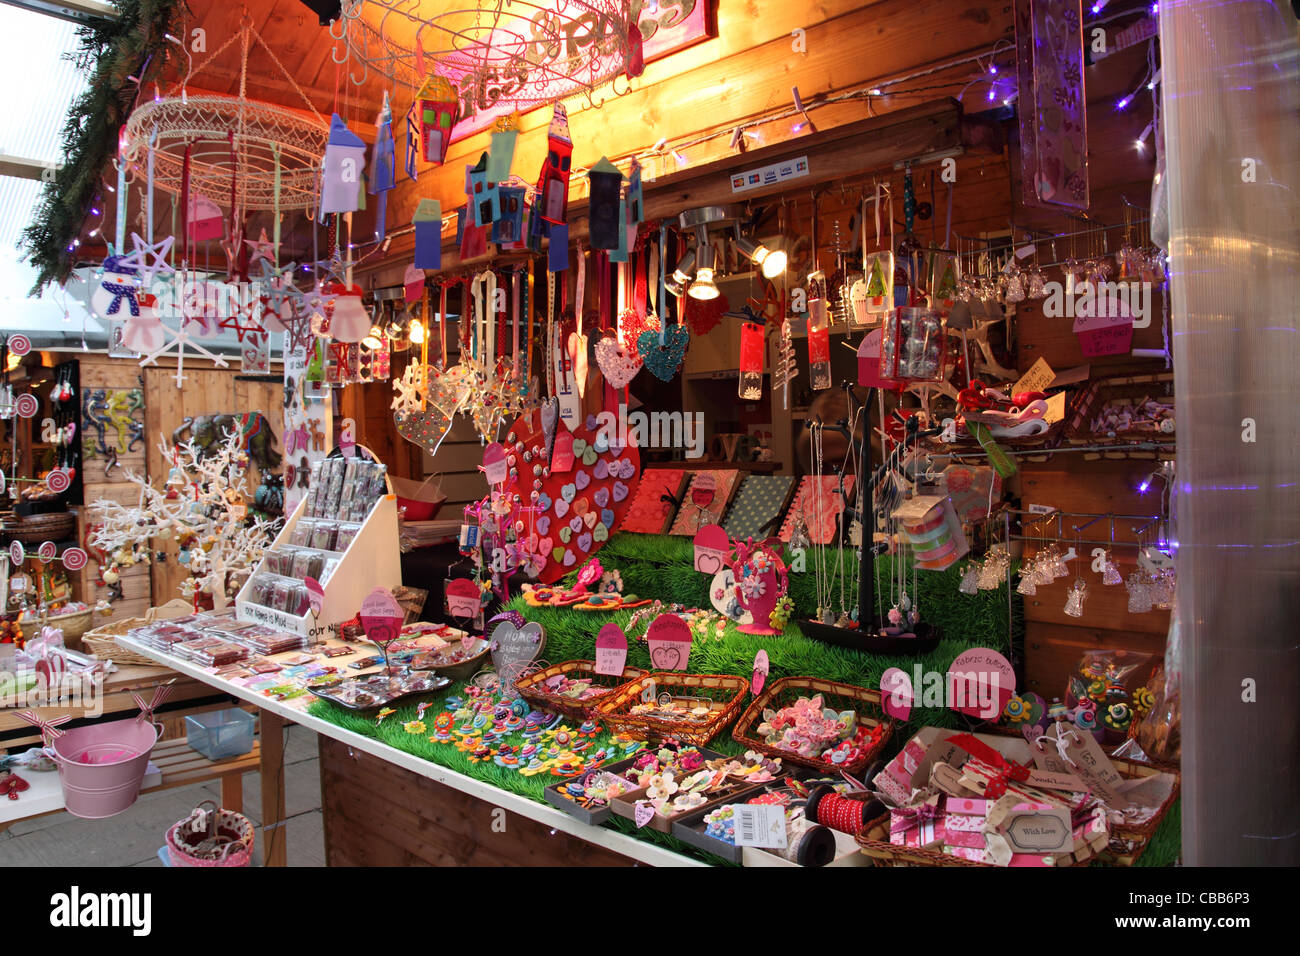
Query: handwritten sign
1037,379
611,650
670,643
711,547
495,467
381,616
463,598
982,682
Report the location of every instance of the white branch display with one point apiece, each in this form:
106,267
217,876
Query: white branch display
203,505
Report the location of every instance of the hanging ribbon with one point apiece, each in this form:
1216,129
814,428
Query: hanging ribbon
550,334
442,321
275,207
120,236
185,206
234,166
527,378
148,202
514,309
581,287
660,263
49,728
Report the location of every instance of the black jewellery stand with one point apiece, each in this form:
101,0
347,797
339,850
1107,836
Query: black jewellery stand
867,635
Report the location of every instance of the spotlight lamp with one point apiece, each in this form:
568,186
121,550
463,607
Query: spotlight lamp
375,339
681,278
704,287
771,261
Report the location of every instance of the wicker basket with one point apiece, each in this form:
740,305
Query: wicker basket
102,642
725,690
73,625
1128,389
531,689
1127,843
785,691
35,529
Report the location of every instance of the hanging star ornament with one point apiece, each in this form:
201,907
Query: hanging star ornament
148,258
260,249
244,319
275,291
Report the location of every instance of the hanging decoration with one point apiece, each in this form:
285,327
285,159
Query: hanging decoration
553,182
345,160
438,107
383,167
605,205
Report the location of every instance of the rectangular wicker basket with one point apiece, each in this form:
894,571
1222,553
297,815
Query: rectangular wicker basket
786,690
1127,843
725,691
531,687
102,642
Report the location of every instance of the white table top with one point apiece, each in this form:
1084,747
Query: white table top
620,843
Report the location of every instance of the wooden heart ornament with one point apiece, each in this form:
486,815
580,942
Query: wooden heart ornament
561,506
670,643
514,648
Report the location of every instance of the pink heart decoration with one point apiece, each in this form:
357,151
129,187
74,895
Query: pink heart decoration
581,480
544,525
569,559
584,542
617,364
620,491
601,497
601,471
561,508
576,524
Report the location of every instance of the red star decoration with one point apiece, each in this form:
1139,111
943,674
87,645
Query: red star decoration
246,310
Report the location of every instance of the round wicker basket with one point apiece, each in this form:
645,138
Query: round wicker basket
34,529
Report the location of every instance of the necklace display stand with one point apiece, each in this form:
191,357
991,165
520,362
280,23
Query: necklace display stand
876,636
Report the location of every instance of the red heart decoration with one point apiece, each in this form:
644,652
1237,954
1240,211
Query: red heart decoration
527,430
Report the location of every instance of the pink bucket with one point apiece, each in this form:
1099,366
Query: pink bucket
102,766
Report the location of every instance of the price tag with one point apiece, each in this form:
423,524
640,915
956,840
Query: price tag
760,825
611,650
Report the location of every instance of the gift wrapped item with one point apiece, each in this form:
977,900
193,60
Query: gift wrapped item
964,821
917,826
895,781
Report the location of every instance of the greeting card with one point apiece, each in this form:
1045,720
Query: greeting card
649,513
706,500
760,499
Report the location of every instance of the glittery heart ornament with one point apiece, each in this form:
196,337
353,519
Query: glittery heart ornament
617,364
663,361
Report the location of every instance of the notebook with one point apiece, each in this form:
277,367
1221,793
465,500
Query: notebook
706,500
821,516
649,513
761,499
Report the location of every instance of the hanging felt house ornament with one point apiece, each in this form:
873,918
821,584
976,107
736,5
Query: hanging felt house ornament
553,183
508,229
345,161
502,152
383,167
484,197
438,107
118,293
348,320
204,219
428,234
605,205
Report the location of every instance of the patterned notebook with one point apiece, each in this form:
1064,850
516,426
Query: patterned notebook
760,500
704,504
823,522
648,513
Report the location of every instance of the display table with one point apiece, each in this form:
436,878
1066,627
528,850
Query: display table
441,817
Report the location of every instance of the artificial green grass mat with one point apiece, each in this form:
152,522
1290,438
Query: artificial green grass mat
661,566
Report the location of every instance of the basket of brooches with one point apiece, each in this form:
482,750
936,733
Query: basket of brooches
572,688
961,799
676,779
692,708
817,723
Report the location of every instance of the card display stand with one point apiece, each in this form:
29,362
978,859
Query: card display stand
371,560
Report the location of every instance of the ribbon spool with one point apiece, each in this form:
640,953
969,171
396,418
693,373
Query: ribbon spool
807,843
846,814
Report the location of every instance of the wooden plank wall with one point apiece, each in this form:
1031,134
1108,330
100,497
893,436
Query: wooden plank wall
423,823
206,391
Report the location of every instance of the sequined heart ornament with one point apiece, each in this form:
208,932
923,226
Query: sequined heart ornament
617,364
663,361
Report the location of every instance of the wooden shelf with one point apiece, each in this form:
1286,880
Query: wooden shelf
701,464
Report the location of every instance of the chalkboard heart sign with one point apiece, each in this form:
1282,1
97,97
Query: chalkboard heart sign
514,648
670,643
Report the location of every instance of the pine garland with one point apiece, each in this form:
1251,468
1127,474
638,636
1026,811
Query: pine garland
113,51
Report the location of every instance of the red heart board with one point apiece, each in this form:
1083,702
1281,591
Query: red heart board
602,486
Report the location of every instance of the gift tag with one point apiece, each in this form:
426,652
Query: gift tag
761,667
1066,751
760,825
643,813
495,467
611,650
751,361
819,355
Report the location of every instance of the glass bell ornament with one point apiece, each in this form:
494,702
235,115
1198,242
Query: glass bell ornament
1015,285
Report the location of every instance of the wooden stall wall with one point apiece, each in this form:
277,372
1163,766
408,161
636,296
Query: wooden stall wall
206,391
104,475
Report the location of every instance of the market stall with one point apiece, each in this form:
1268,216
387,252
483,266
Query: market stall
636,464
